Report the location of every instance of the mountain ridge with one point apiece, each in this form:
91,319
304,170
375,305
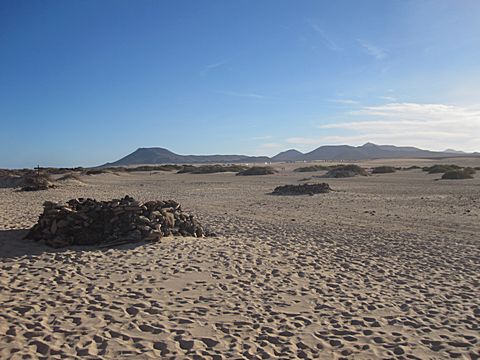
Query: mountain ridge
367,151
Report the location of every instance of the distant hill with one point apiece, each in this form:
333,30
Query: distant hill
289,155
367,151
158,155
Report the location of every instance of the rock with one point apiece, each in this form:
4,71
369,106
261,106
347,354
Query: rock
303,189
90,222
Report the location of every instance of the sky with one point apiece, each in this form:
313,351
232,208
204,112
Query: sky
87,82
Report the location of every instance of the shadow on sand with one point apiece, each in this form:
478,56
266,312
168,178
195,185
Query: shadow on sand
13,244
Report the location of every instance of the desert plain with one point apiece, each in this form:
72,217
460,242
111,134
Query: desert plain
384,267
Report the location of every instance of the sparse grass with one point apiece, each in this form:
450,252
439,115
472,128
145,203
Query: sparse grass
459,174
258,170
383,170
210,169
438,168
343,171
314,168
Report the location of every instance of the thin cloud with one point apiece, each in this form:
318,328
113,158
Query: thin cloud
212,66
430,126
242,94
265,137
344,101
326,40
375,51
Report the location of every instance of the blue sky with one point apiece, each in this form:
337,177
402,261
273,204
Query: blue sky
86,82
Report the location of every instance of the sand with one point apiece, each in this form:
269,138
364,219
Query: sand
387,266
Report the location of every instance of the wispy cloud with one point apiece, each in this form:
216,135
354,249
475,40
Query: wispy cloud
388,98
344,101
265,137
326,40
207,68
243,94
374,50
431,126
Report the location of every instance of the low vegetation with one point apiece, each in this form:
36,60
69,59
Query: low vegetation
459,174
314,168
97,171
343,171
36,181
383,170
304,189
70,176
414,167
211,169
257,170
438,169
168,167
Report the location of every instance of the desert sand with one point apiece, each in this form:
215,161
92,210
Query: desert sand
385,266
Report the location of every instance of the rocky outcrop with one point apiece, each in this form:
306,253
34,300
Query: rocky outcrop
303,189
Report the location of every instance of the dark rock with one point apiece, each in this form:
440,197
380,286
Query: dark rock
303,189
90,222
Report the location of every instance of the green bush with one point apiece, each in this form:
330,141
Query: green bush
383,170
257,170
466,173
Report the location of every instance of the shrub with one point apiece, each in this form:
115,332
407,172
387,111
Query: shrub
70,176
210,169
36,181
466,173
343,171
414,167
438,169
258,170
313,168
383,170
153,168
96,171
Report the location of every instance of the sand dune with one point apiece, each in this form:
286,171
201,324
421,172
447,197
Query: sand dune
386,266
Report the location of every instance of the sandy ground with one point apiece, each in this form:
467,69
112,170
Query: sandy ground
387,266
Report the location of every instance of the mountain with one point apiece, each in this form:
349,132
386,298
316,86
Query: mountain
289,155
371,151
453,151
367,151
158,155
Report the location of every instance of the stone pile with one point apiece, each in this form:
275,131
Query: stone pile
303,189
90,222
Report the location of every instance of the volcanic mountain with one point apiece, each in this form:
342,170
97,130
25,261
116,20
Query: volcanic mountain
157,155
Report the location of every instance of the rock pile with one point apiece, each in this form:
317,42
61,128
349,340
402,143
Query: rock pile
90,222
303,189
36,181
